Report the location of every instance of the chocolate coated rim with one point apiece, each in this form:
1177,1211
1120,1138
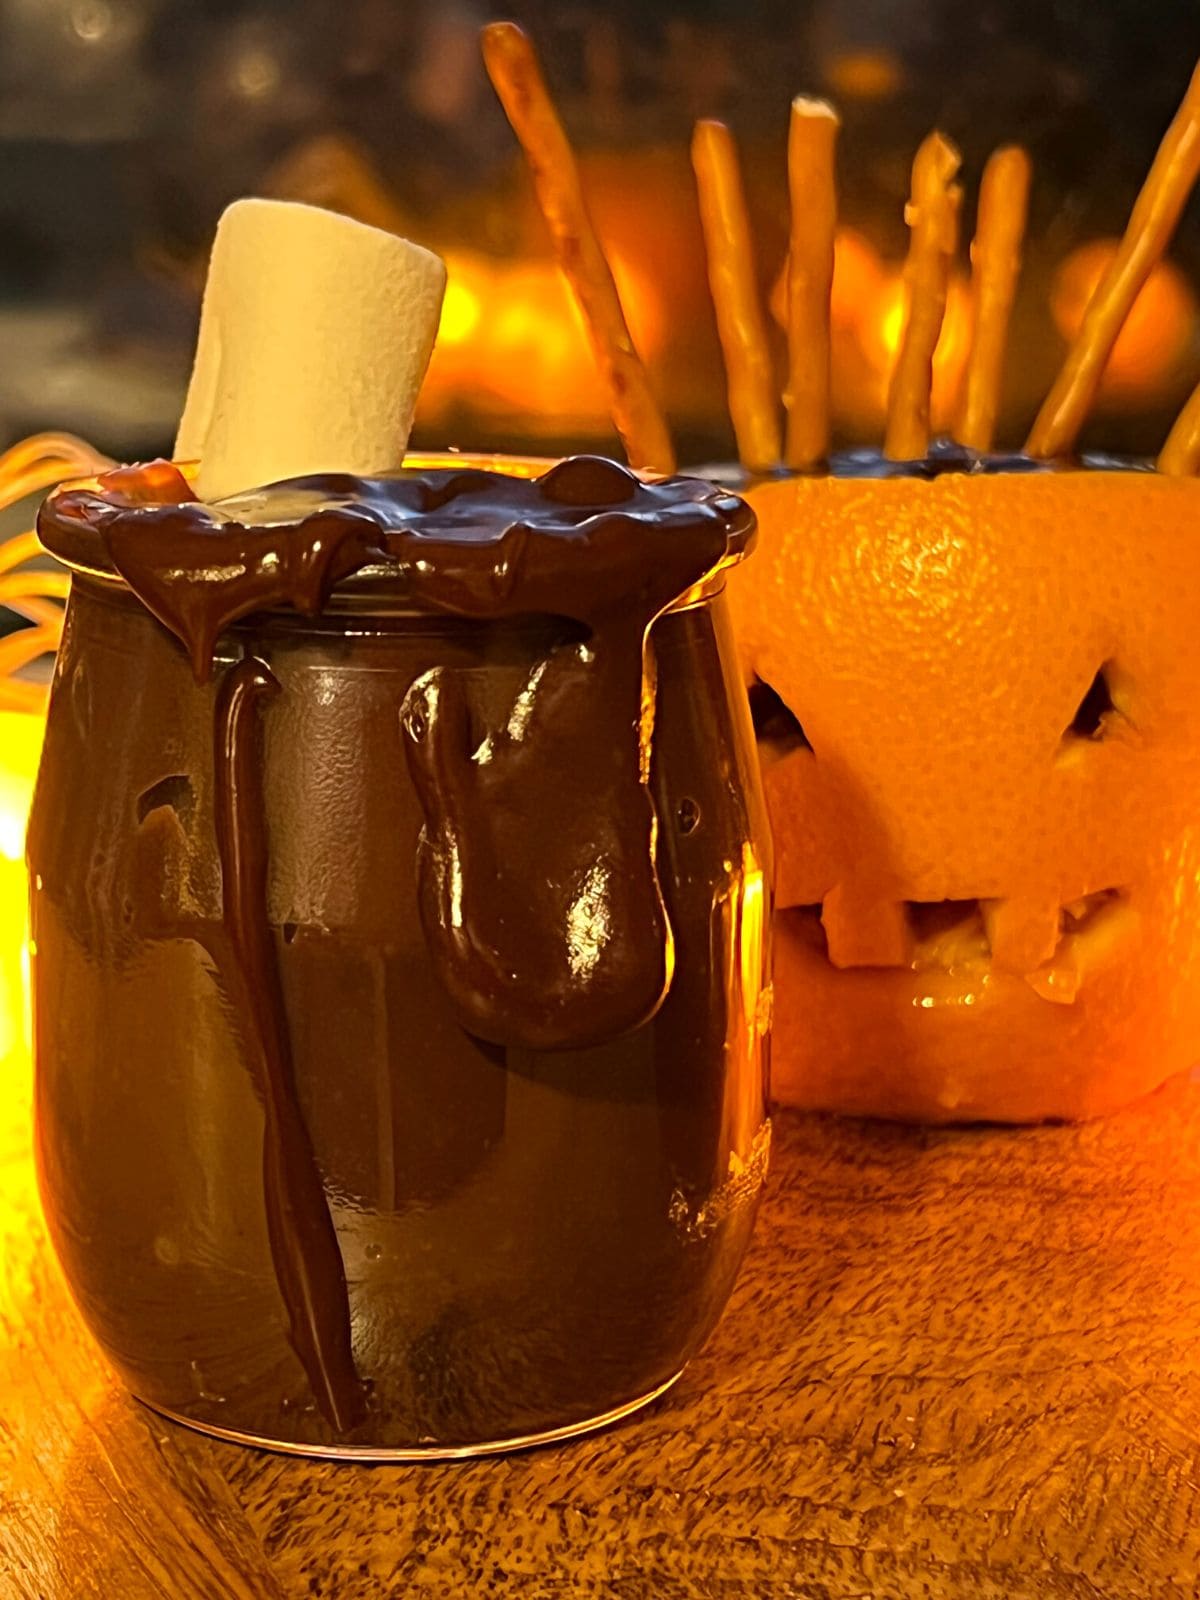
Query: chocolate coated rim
80,546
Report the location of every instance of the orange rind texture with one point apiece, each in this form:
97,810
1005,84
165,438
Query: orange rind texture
988,838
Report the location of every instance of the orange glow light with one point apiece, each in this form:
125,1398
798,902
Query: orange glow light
865,74
858,276
461,311
891,318
27,468
881,328
642,304
20,746
1157,331
868,309
511,340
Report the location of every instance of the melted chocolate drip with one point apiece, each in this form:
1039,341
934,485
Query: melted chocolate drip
537,883
946,457
304,1246
585,538
538,888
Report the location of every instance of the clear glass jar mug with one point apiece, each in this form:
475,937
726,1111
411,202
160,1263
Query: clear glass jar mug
531,1242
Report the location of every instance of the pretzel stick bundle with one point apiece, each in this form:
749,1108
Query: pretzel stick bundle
995,268
43,460
812,142
27,468
729,248
516,75
932,216
1152,222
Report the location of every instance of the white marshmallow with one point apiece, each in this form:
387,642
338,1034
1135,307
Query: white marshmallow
314,339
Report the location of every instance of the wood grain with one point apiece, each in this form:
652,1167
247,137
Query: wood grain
961,1363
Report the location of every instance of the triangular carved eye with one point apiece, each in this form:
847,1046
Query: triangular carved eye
774,723
1096,705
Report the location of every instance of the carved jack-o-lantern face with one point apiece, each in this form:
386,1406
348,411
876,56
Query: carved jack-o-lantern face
978,702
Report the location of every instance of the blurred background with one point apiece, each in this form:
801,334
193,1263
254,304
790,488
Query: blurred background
126,126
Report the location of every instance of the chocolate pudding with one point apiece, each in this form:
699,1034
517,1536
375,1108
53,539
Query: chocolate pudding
400,905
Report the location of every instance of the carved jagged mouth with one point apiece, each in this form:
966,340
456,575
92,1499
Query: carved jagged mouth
954,938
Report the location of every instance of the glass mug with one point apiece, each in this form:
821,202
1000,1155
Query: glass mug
531,1242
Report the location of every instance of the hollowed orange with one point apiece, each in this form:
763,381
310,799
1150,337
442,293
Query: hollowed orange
983,770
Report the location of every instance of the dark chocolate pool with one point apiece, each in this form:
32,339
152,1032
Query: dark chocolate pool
400,909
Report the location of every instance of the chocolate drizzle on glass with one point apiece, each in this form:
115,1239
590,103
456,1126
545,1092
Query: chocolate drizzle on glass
304,1246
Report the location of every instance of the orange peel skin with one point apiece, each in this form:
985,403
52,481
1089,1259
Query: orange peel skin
988,841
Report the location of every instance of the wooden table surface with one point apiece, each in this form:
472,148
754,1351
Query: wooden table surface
960,1363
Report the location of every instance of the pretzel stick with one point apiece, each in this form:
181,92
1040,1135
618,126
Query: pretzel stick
1151,224
1180,455
31,480
40,448
21,547
932,215
512,65
729,247
36,608
17,695
995,268
43,460
30,465
812,138
23,648
25,585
